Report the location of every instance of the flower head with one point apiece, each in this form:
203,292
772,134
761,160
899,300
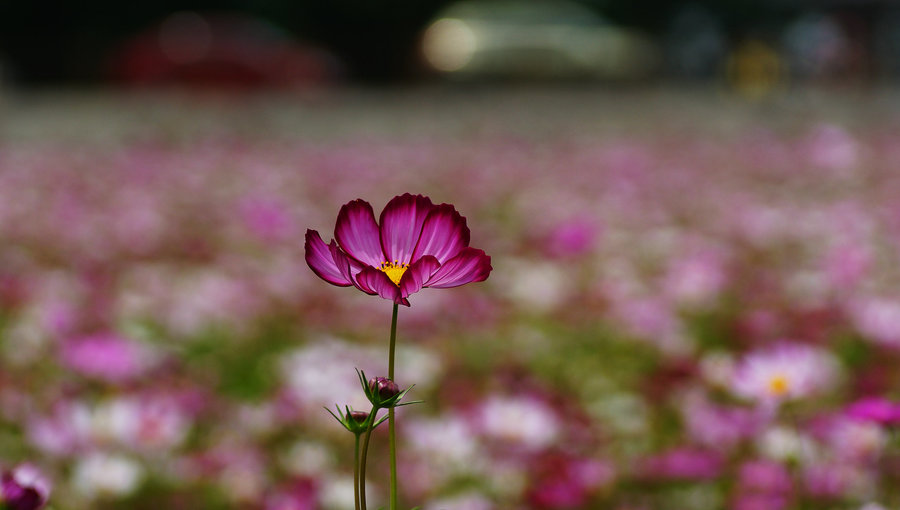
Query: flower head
383,392
787,371
384,387
24,488
415,244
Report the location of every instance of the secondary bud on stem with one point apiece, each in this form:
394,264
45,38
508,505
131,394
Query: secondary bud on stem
384,387
359,416
355,421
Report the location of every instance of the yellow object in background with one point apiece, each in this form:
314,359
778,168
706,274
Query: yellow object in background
755,70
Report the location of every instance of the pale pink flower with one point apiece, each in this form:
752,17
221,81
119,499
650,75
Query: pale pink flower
719,426
854,441
764,476
65,431
786,371
846,264
878,319
696,280
524,421
832,479
149,423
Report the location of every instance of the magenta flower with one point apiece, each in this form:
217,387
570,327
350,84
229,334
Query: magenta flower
24,488
415,244
106,356
875,409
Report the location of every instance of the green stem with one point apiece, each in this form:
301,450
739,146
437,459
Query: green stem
391,432
794,465
356,474
393,343
362,462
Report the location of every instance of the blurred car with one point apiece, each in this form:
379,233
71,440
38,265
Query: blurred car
220,50
534,39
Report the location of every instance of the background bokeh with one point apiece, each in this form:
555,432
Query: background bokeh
99,41
694,298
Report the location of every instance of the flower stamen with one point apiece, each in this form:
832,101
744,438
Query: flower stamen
778,385
394,270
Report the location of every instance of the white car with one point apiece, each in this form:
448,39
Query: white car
534,39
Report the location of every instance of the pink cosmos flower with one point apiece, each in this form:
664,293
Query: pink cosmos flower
106,356
415,244
785,371
875,410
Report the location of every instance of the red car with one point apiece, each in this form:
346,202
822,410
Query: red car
220,50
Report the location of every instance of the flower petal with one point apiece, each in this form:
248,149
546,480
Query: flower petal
380,284
444,234
470,265
417,274
319,258
348,267
401,224
357,232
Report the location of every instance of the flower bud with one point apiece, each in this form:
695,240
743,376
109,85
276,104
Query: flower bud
24,488
355,421
358,416
384,387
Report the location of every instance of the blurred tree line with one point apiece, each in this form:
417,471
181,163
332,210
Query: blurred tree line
58,41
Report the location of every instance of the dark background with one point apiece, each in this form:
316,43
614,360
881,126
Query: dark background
54,42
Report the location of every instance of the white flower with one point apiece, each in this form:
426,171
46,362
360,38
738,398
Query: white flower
338,493
446,439
783,444
465,501
523,420
101,474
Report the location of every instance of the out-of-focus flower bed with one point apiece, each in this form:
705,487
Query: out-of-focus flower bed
674,321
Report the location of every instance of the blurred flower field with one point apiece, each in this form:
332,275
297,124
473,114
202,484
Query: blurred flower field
695,308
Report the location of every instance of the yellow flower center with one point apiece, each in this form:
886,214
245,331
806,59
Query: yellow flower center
394,270
778,385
